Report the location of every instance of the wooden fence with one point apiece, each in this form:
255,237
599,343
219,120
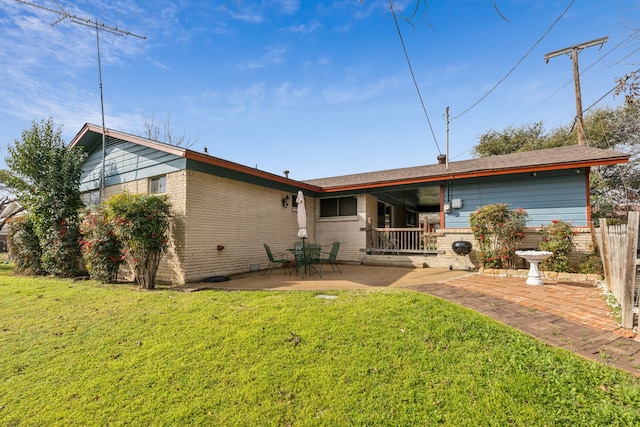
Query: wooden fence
618,249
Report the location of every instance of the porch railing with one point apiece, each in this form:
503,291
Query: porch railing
401,240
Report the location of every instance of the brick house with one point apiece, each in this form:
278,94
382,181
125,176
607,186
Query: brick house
224,211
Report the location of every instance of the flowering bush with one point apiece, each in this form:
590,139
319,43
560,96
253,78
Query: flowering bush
24,246
498,231
102,250
557,237
61,254
142,221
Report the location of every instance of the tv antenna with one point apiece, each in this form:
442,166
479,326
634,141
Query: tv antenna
98,26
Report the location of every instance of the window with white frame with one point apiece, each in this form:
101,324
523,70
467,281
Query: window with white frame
158,184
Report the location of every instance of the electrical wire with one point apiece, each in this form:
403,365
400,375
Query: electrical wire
581,73
517,64
406,54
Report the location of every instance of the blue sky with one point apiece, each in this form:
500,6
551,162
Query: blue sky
319,88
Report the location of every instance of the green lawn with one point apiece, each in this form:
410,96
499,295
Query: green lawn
77,353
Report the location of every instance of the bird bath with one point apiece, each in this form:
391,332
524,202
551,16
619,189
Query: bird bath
534,257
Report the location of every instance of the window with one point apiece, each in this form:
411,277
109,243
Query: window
339,206
411,218
90,198
158,184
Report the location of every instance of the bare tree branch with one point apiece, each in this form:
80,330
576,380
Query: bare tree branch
164,132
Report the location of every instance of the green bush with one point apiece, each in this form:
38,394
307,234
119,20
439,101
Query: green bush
557,237
61,253
24,246
142,221
498,231
45,176
102,250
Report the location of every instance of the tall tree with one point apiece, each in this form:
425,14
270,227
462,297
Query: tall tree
46,178
616,188
511,140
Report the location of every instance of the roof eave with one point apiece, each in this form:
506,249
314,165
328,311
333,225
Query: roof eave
216,161
477,174
167,148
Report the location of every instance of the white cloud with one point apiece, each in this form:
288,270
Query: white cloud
304,28
288,6
274,55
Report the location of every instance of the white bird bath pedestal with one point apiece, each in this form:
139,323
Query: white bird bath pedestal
534,257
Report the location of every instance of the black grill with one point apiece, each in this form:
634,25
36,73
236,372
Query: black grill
461,247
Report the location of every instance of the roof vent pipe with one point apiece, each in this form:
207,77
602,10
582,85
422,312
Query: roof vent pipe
442,158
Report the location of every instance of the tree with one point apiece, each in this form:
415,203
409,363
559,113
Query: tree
615,188
629,84
164,132
46,178
511,140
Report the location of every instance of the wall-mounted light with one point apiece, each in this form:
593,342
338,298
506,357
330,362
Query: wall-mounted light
533,174
285,201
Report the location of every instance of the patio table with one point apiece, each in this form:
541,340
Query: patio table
307,258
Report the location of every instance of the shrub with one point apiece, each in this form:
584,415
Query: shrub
498,231
557,237
102,250
142,221
61,253
24,246
592,264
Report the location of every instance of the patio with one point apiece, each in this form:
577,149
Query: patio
571,315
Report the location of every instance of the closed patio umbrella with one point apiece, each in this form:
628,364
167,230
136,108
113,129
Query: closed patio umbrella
302,216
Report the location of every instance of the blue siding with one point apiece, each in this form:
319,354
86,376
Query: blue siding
125,162
548,195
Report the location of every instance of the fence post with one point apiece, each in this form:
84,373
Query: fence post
604,253
630,270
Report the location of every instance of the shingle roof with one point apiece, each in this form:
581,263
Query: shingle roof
548,159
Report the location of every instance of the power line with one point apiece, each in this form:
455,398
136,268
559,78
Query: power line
517,64
582,72
414,77
606,94
574,50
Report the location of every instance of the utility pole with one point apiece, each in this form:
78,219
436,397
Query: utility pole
573,51
98,26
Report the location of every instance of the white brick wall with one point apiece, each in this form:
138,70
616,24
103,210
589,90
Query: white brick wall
239,216
209,211
349,231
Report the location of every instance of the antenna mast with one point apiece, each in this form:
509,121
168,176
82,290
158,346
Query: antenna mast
98,26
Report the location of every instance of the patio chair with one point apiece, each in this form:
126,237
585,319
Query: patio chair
389,245
281,259
331,259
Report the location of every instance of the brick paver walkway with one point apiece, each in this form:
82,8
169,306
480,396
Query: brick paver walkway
570,315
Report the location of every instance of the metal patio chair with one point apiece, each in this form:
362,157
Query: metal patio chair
332,255
281,259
